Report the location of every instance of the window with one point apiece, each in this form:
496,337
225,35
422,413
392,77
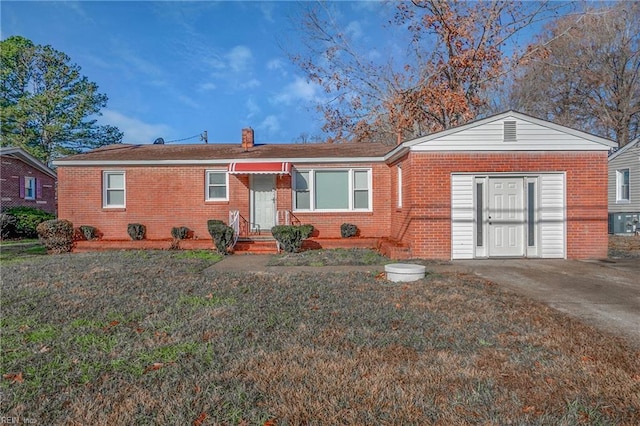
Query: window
29,188
479,214
531,214
114,189
332,190
302,194
360,189
217,183
399,185
622,185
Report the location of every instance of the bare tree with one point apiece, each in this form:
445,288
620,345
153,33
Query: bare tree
585,73
452,52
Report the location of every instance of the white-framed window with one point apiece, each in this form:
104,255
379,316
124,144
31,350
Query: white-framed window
29,188
622,185
113,193
217,185
399,185
332,190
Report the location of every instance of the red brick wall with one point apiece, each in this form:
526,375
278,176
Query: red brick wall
428,198
12,176
163,197
400,216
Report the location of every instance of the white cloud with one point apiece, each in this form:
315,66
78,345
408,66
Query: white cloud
249,84
252,107
267,10
299,89
205,87
354,29
135,131
275,64
239,58
271,124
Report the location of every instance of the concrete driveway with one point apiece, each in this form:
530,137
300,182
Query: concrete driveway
605,294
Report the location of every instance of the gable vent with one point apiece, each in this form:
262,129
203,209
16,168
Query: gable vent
509,131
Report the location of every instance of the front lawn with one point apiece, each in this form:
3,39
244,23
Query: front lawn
159,337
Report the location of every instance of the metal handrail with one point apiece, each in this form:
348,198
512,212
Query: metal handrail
286,217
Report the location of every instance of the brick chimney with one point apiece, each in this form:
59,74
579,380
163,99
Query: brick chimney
247,138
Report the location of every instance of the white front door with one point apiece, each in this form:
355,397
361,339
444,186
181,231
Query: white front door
506,217
263,202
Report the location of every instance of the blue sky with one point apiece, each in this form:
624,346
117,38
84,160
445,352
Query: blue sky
174,69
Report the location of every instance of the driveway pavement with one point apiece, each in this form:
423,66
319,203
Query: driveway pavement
605,294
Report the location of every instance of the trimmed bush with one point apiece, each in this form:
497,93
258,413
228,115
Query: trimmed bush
290,237
7,225
56,235
136,231
348,230
27,220
88,232
180,232
222,235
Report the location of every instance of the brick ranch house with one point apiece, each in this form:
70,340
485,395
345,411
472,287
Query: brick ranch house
25,181
509,185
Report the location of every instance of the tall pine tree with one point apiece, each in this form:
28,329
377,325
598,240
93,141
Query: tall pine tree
46,106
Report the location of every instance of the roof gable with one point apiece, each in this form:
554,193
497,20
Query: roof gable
27,158
628,147
510,131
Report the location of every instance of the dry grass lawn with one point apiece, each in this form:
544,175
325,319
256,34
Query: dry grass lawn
161,338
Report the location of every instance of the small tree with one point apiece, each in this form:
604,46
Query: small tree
222,235
88,232
136,231
56,235
290,237
348,230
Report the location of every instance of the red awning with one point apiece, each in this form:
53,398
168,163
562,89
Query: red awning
260,168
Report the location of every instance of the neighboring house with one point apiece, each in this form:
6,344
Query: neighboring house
509,185
624,189
25,181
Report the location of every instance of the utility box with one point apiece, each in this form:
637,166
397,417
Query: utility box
624,223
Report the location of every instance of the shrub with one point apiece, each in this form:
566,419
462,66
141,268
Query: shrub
89,232
56,235
7,225
180,232
27,219
348,230
290,237
136,231
222,235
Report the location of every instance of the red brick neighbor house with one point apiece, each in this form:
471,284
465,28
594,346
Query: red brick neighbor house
509,185
25,181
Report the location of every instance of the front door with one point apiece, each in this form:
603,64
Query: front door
263,202
506,217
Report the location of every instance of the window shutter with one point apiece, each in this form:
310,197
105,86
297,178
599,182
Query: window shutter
22,182
38,188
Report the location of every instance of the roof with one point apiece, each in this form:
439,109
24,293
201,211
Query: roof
430,139
633,144
123,154
27,158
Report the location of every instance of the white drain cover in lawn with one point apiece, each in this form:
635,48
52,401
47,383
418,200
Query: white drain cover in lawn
397,272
